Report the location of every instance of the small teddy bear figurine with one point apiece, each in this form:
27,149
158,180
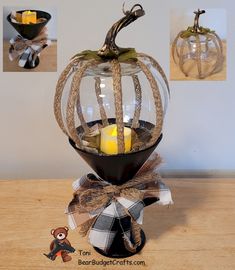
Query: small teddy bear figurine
60,246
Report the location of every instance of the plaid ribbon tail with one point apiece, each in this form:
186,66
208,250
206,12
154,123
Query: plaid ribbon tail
27,51
165,197
117,215
12,54
24,57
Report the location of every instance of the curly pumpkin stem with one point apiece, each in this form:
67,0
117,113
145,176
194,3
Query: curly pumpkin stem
196,26
110,49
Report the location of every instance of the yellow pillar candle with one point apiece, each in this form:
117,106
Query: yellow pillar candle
29,17
108,140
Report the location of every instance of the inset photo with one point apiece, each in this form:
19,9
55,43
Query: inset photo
198,44
29,39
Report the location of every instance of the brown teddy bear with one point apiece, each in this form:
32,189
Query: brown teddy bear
60,246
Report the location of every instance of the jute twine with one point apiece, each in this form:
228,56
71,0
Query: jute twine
198,56
74,96
68,126
219,53
95,198
68,71
219,41
216,41
138,101
89,200
174,47
100,102
157,66
136,233
181,57
117,89
157,101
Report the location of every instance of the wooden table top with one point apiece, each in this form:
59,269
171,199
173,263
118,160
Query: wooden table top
48,60
197,232
177,75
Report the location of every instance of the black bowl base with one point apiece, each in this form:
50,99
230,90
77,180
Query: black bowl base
118,250
30,31
27,65
116,169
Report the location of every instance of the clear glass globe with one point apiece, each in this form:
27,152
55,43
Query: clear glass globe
199,56
96,106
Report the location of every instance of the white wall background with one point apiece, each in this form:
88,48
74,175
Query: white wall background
199,132
9,31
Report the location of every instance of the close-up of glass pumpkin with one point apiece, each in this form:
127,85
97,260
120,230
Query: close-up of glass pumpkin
198,51
111,104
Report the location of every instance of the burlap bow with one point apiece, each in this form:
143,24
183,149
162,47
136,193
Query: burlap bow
26,50
97,205
101,195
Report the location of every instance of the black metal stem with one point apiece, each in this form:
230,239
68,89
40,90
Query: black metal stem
110,47
196,26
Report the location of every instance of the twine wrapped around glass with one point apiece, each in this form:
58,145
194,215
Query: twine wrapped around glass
198,51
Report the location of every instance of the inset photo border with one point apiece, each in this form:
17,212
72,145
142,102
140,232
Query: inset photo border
29,39
198,44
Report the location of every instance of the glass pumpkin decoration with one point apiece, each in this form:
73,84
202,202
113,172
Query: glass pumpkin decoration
198,51
117,97
111,103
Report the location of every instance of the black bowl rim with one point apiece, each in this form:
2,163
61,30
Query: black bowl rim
20,11
117,155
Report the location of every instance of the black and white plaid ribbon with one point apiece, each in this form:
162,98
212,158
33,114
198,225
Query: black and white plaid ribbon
119,211
26,51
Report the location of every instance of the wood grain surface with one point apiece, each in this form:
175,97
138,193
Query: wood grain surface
177,75
196,233
48,60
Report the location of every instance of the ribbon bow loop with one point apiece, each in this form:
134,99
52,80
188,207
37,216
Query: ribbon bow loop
27,50
28,43
112,190
93,199
101,208
132,194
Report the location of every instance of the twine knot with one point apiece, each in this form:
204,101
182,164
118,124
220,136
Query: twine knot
27,50
97,198
112,190
103,209
28,42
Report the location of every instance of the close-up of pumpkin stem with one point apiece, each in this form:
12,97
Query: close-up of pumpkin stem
109,48
196,26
